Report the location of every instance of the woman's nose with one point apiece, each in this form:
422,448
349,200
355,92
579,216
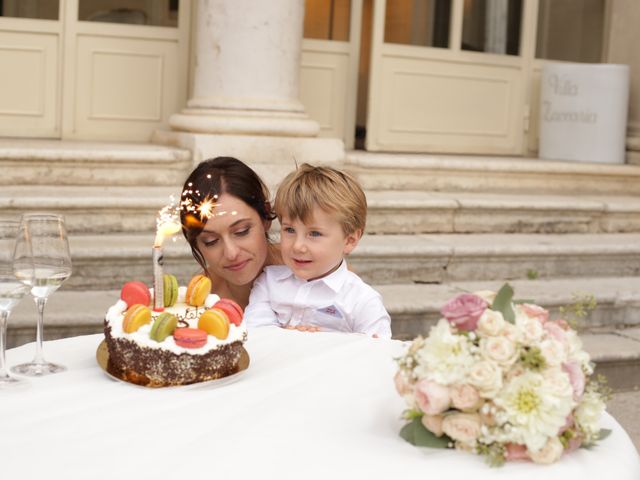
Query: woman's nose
230,250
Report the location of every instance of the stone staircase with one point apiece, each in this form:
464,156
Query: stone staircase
437,226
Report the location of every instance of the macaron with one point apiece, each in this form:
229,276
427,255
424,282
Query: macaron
163,326
170,283
135,292
232,309
197,290
190,337
215,322
135,317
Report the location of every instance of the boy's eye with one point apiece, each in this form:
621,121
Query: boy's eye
288,229
315,233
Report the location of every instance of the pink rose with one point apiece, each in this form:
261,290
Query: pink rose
433,423
465,397
535,311
464,311
557,332
431,397
549,453
576,378
462,427
515,451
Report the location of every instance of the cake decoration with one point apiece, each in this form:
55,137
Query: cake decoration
135,292
136,316
198,289
232,309
163,326
170,289
190,337
214,322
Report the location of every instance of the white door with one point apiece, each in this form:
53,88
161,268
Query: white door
450,76
92,69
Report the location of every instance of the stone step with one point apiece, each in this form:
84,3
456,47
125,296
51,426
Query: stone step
615,350
51,162
416,307
95,209
394,171
106,261
393,212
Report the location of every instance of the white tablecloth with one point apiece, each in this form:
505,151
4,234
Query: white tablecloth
318,405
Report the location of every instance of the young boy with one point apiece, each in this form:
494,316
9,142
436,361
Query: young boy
322,214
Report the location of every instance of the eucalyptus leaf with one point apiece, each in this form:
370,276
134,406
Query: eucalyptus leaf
502,303
603,433
416,434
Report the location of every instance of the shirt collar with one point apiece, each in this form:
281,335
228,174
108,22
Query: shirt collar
335,280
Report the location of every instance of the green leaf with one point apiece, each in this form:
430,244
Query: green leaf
603,433
502,303
416,434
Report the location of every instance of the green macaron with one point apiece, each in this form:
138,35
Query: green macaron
163,326
170,290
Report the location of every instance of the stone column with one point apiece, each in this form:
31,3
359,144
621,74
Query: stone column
245,89
622,48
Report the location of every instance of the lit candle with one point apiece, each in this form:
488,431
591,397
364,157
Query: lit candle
168,224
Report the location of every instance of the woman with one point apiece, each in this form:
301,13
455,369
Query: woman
226,217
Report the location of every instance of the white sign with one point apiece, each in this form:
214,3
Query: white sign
583,112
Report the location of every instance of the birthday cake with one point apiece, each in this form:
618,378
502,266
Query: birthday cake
196,337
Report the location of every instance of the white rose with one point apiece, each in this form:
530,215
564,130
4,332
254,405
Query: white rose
490,323
465,397
511,332
531,330
462,427
549,453
553,352
500,350
587,415
486,376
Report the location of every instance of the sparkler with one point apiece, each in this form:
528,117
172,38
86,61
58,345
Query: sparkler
167,224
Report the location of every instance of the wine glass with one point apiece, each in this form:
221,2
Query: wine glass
11,292
42,262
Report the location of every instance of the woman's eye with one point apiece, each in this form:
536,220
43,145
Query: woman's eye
210,243
244,232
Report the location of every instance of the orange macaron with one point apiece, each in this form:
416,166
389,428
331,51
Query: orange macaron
136,316
197,291
215,322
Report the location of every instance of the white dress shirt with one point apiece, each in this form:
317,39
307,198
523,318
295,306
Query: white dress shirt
341,302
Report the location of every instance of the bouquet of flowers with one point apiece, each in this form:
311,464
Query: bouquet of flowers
499,378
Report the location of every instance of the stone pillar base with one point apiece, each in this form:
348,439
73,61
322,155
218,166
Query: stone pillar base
272,157
244,122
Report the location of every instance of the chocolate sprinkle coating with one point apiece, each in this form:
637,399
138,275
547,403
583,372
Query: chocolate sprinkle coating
152,367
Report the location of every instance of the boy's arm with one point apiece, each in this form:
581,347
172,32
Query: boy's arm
371,318
259,312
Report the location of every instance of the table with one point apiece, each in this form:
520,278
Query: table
311,405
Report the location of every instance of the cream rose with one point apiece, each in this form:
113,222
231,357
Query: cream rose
433,423
549,453
491,323
530,329
431,397
462,427
500,350
535,311
553,352
486,376
465,397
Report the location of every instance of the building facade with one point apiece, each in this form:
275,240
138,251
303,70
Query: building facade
432,76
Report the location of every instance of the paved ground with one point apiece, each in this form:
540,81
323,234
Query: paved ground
625,408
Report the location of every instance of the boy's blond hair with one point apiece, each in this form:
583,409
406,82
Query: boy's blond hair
333,191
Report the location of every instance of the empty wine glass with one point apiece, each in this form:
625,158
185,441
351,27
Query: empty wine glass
11,292
42,262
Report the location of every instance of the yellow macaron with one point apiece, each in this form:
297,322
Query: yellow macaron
136,316
214,322
197,291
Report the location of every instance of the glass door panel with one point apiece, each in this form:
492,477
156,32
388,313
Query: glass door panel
161,13
327,19
492,26
570,30
38,9
424,23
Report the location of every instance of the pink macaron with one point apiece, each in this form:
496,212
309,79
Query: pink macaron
190,337
232,309
135,292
